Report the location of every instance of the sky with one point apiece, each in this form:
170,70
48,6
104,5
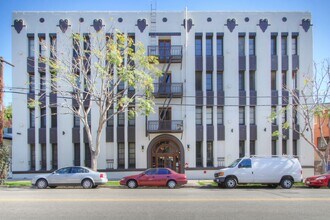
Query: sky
319,9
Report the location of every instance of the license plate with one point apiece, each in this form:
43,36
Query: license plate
307,182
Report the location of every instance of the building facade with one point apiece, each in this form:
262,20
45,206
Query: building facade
225,73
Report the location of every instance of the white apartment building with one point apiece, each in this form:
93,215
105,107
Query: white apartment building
226,73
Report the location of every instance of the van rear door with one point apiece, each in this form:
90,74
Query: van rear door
244,173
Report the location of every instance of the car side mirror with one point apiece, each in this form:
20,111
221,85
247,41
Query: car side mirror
142,174
240,166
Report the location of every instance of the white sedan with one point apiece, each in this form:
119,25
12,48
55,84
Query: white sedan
70,176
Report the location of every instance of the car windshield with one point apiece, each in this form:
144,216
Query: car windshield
233,164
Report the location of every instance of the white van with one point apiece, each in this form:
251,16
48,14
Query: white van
270,170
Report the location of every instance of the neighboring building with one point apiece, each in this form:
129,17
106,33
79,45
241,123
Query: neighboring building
317,139
227,73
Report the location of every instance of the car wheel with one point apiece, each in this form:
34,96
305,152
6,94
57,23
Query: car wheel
230,183
52,187
286,183
87,184
171,184
42,184
131,184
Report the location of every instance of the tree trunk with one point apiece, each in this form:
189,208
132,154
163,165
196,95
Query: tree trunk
94,157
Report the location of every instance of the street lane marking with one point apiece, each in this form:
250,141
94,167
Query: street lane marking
132,200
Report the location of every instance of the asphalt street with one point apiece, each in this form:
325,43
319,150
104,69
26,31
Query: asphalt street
163,203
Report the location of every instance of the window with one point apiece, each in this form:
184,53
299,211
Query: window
42,82
78,170
76,155
209,115
241,149
53,45
273,46
42,46
198,46
109,114
284,147
274,151
43,117
242,115
31,46
295,79
121,119
284,82
209,86
294,148
294,115
220,81
31,84
54,157
199,115
209,153
199,81
274,121
209,46
43,157
294,46
219,45
241,46
32,157
284,44
284,114
252,80
76,121
273,80
121,155
131,155
241,81
220,115
252,148
252,46
131,116
252,115
32,117
151,172
199,154
65,170
246,163
163,172
53,117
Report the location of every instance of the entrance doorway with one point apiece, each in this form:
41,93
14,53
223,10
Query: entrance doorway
166,151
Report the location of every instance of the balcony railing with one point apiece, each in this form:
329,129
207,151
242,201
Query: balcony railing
165,126
163,90
165,53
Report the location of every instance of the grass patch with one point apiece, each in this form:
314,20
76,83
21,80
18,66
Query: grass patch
112,183
18,183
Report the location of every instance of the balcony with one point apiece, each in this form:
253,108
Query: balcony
164,90
165,126
165,54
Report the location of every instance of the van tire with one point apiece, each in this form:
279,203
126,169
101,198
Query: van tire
286,183
230,183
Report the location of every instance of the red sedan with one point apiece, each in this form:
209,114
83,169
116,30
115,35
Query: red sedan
155,177
319,180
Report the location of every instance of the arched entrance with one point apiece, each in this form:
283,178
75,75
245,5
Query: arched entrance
166,151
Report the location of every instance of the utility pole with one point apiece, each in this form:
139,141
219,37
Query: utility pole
2,67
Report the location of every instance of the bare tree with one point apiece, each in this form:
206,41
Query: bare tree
310,104
107,73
